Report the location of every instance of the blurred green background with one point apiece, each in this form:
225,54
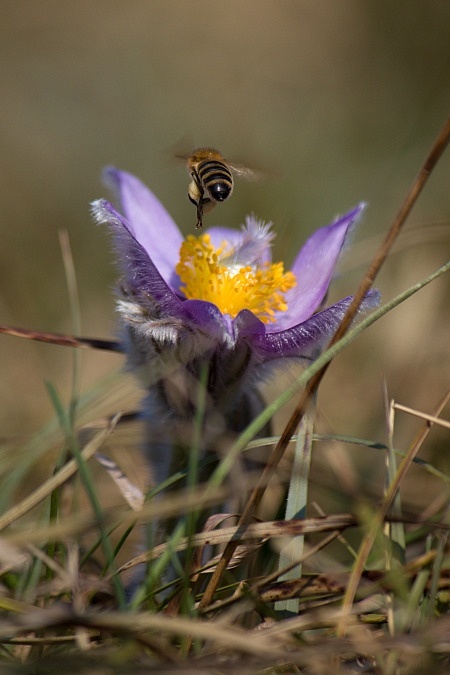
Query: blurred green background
337,102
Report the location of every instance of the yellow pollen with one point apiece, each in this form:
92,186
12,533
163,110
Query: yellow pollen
232,289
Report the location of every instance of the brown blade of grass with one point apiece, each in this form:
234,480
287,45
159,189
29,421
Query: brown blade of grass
312,386
134,497
62,339
265,530
120,623
422,415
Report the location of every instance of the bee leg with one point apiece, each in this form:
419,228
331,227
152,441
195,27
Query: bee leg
196,195
200,199
198,203
199,223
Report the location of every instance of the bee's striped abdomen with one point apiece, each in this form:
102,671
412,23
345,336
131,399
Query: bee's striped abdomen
216,178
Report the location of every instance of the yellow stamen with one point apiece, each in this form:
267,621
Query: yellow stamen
232,289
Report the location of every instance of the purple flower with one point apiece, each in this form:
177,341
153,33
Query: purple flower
148,245
215,299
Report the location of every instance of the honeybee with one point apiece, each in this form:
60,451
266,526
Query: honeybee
212,179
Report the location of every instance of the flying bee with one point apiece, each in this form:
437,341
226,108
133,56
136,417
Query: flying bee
212,179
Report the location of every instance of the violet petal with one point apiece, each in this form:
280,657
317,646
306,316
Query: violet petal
246,323
314,267
150,223
306,340
141,274
207,316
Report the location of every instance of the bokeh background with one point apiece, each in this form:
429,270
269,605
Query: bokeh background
336,102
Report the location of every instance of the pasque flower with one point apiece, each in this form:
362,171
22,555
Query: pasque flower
214,300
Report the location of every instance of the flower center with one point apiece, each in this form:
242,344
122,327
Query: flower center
231,287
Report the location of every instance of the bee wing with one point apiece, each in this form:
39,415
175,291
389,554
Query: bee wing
245,171
182,148
185,157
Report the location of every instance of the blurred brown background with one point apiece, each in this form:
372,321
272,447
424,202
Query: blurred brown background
338,101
